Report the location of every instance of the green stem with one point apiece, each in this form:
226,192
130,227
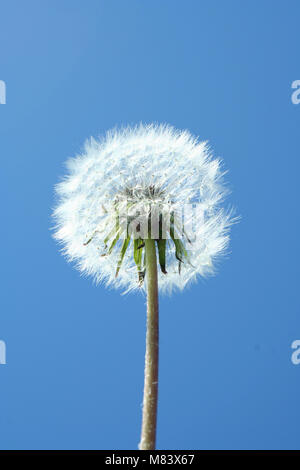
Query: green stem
148,435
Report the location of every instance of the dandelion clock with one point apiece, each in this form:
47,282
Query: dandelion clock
141,209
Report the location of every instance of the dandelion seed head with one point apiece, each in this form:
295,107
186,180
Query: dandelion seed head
139,168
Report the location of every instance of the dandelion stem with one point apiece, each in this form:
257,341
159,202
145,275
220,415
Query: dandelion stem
148,435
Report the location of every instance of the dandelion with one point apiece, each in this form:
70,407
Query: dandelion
141,208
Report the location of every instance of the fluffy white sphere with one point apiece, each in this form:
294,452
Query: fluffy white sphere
154,164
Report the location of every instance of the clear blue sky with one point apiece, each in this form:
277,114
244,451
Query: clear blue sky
75,352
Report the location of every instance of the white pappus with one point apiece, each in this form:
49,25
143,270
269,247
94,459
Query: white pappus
132,171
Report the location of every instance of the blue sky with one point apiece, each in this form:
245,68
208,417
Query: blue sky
75,352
